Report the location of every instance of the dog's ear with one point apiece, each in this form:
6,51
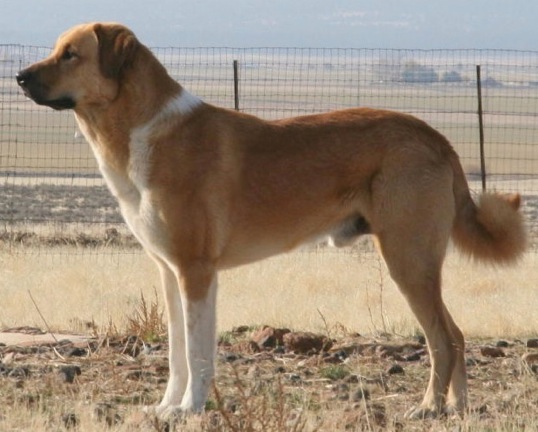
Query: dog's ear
117,49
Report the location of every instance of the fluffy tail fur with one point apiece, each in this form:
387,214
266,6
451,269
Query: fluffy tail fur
491,231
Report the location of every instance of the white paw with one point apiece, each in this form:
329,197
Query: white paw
171,414
421,413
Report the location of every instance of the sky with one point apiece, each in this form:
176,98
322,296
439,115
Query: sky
421,24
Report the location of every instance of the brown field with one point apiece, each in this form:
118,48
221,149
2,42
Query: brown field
38,140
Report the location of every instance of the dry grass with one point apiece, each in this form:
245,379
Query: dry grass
110,294
348,289
147,320
265,392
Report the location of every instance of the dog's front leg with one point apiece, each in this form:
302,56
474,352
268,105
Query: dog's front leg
190,304
177,361
199,293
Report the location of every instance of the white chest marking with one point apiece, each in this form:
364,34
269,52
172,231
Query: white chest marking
139,149
132,188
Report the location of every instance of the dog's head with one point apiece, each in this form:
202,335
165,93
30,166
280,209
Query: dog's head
85,67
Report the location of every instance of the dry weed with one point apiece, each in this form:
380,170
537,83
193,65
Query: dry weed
257,406
146,320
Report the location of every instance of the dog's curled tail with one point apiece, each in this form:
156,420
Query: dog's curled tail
492,230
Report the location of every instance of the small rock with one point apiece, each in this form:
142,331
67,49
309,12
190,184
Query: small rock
530,358
9,358
4,370
131,345
19,372
341,354
151,349
107,413
332,358
134,374
399,352
412,357
395,369
352,379
29,400
230,357
343,396
269,337
421,339
472,361
342,387
70,420
294,378
253,372
360,394
240,329
246,346
231,404
532,343
76,352
305,342
341,391
482,409
489,351
68,373
378,413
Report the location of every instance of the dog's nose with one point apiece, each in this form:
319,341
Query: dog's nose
24,77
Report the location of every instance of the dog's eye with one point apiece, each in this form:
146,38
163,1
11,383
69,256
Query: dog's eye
68,54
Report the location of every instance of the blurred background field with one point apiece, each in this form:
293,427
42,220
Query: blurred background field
306,290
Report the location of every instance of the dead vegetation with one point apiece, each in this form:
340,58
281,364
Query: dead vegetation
59,237
354,383
344,382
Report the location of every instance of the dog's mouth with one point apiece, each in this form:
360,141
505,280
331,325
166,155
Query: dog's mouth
58,104
37,92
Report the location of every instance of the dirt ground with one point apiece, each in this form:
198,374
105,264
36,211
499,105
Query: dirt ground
348,382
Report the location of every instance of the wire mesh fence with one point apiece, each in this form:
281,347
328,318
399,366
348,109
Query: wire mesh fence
49,181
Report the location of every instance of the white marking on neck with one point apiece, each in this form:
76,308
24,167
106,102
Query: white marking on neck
185,103
140,151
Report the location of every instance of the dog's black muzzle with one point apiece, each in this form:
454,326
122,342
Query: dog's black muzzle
32,87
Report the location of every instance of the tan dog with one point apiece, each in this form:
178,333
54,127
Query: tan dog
205,188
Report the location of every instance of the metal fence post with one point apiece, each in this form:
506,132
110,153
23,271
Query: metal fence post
481,128
236,85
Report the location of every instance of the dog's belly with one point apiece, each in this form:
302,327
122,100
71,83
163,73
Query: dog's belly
242,253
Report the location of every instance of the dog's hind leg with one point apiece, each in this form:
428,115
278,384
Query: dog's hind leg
418,276
457,392
413,225
421,287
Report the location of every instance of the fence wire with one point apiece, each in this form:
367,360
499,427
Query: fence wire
50,184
